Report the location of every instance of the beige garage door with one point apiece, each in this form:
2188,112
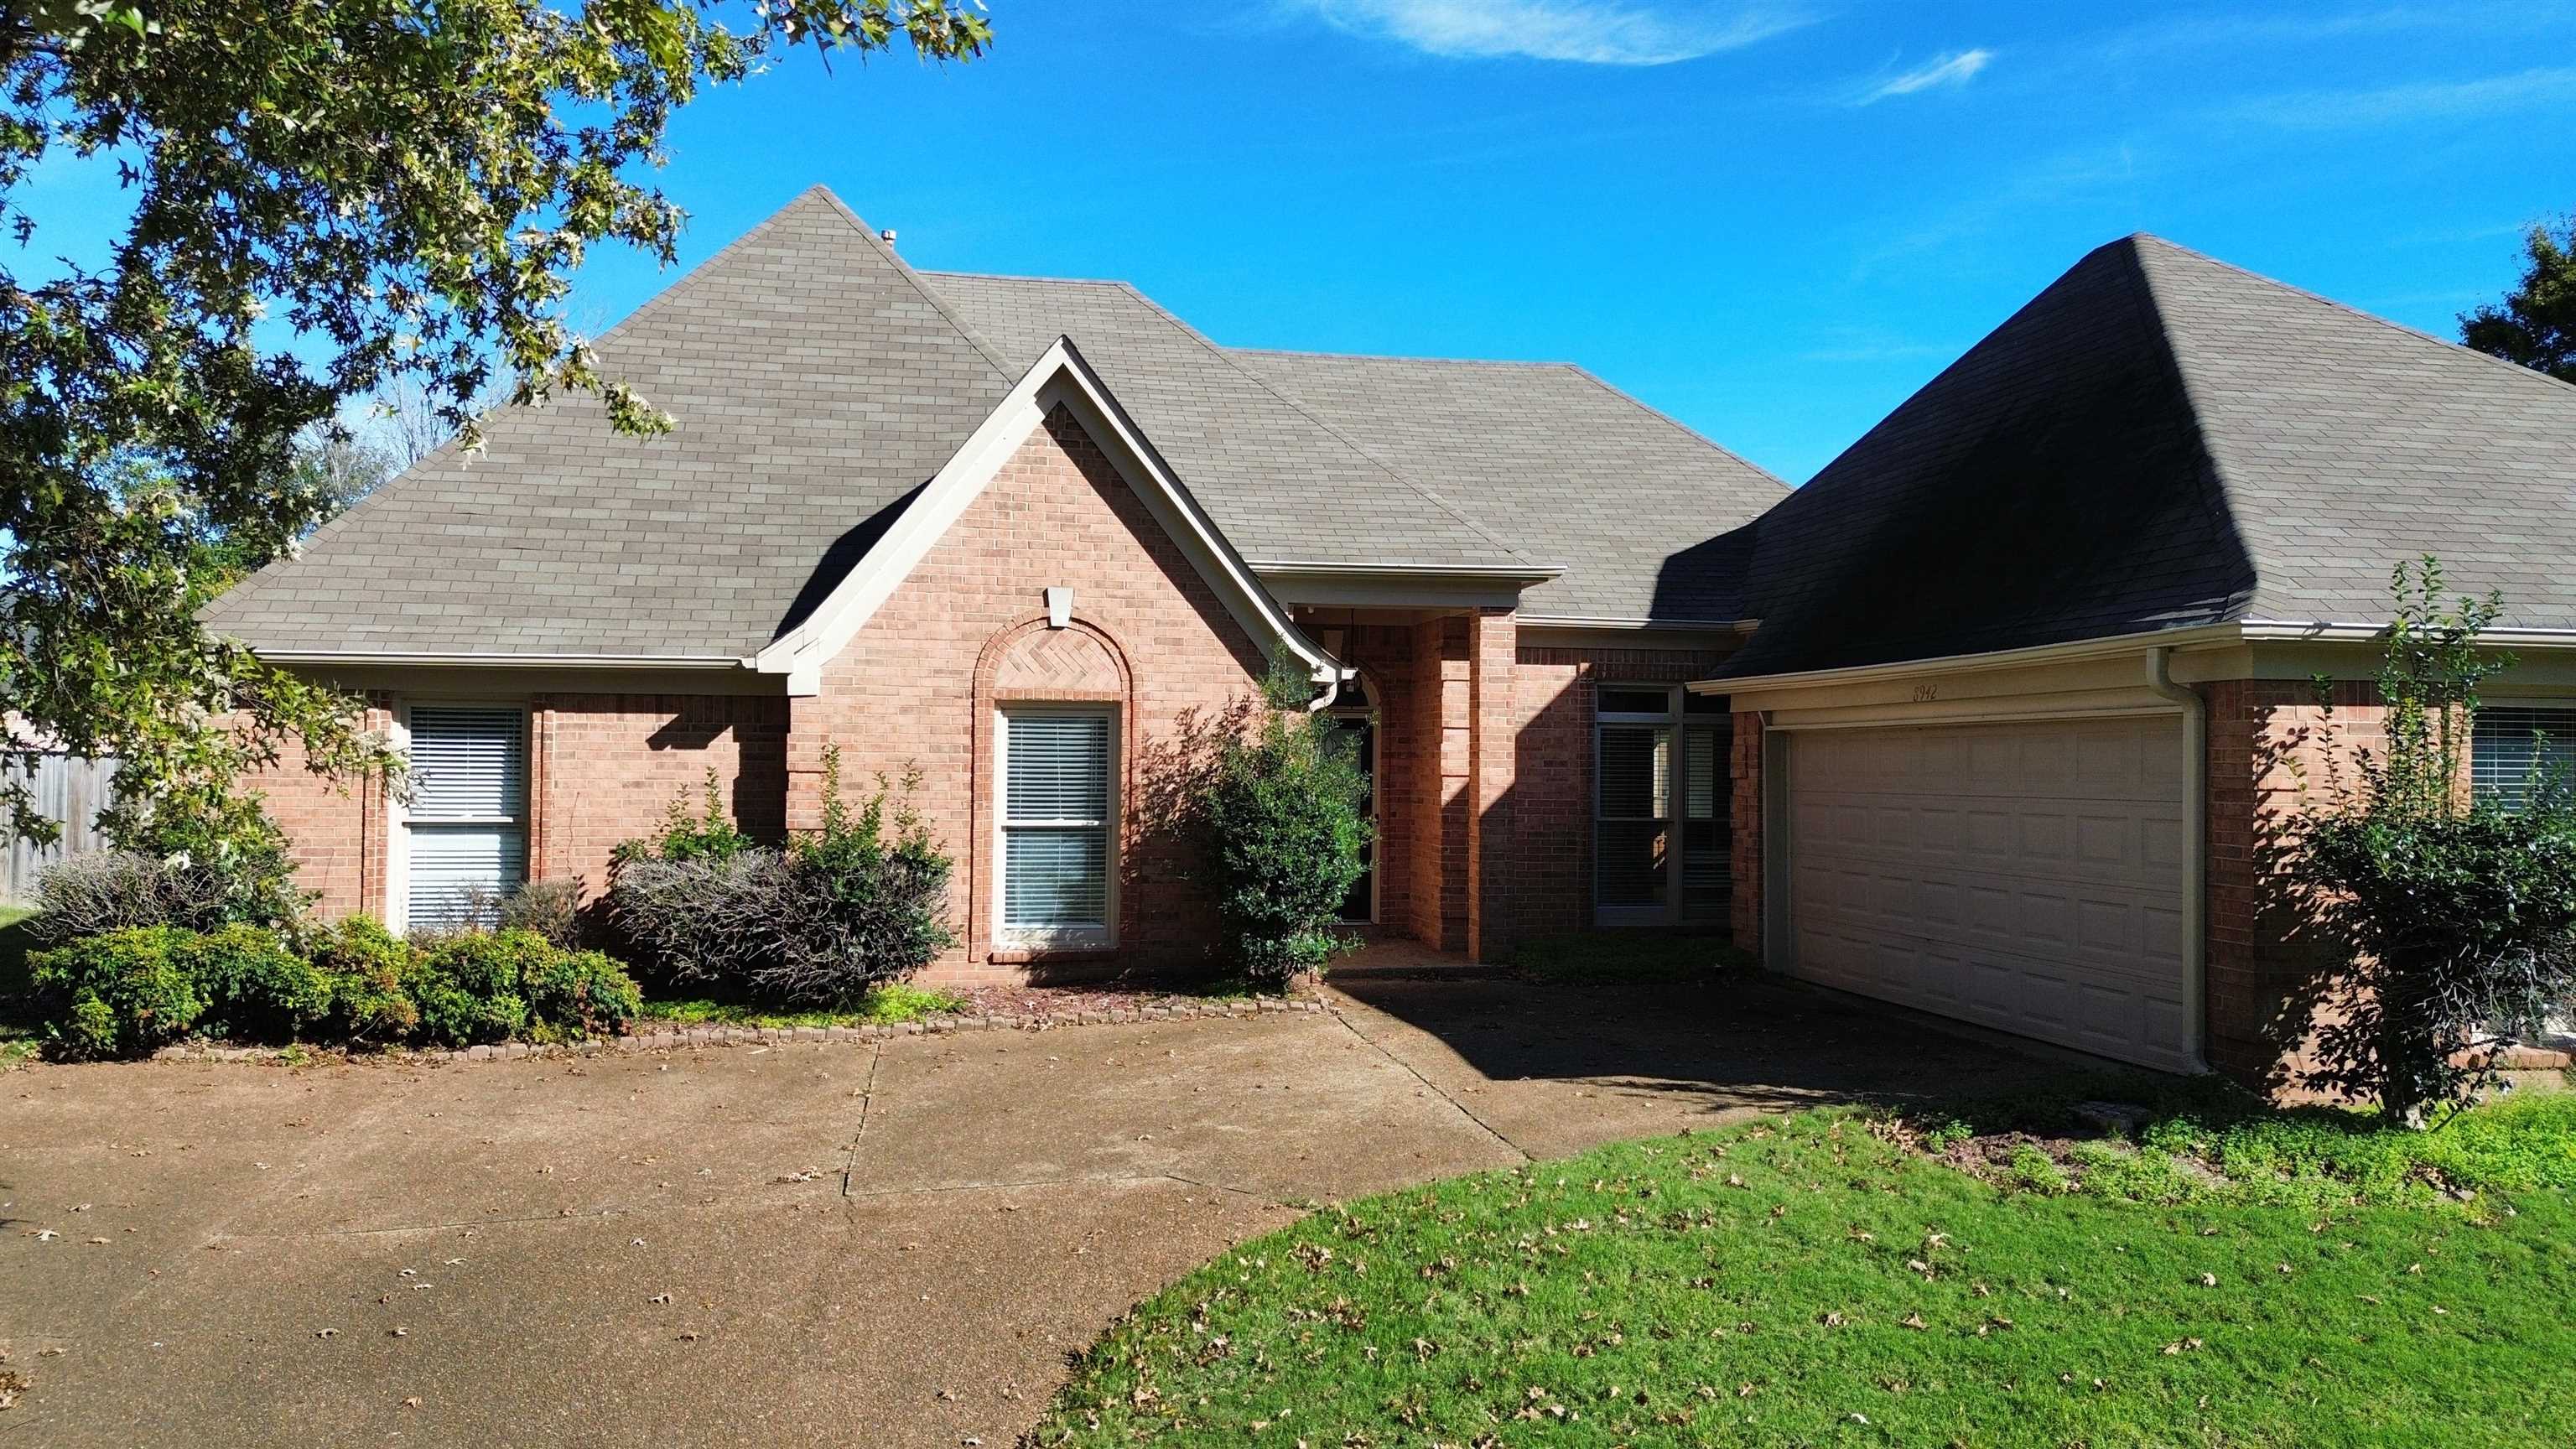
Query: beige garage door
2021,876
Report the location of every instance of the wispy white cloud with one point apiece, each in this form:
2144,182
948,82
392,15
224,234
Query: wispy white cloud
1593,32
1955,69
2417,101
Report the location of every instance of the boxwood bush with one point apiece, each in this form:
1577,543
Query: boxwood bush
123,993
129,992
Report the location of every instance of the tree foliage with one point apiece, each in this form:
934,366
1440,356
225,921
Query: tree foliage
329,200
1284,808
2460,912
2535,324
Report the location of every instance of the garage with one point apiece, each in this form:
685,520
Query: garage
2027,876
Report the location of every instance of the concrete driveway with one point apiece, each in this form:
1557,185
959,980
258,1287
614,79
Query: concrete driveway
883,1244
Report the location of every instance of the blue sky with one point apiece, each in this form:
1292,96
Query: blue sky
1772,220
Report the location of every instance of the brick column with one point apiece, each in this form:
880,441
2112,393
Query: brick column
1744,852
1438,916
807,732
1493,647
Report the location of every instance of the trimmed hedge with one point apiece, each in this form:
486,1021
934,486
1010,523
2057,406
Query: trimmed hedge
129,992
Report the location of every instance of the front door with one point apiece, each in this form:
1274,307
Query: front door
1355,716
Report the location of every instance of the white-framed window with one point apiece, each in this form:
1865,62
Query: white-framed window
462,839
2514,742
1058,825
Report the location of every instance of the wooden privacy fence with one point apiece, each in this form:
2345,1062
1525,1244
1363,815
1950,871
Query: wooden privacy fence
70,791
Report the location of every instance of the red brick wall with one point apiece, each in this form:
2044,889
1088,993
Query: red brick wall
605,768
1493,853
2268,976
914,687
335,832
1554,693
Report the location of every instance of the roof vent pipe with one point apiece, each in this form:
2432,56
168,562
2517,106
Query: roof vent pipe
887,236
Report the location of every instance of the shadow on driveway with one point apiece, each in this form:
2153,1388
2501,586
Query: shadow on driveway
1554,1069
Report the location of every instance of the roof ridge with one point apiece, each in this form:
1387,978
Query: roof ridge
1401,357
1020,277
2219,501
2322,299
973,338
1257,380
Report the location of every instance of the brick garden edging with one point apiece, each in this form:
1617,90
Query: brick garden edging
676,1038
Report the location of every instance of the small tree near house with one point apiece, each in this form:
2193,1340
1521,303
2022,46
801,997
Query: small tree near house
2460,913
1284,805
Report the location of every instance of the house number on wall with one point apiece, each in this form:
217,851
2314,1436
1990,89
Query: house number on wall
1923,692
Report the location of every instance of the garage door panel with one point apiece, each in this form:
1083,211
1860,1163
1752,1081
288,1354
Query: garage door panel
2027,876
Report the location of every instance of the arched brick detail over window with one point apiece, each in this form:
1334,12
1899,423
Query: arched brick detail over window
1029,662
1068,663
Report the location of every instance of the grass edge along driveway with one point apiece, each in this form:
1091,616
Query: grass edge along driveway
1825,1279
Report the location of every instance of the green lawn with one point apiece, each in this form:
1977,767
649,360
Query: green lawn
21,1036
887,1005
1828,1278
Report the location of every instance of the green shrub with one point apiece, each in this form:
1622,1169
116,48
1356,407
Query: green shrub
2458,913
365,965
572,995
255,989
125,993
844,909
1285,814
709,834
468,987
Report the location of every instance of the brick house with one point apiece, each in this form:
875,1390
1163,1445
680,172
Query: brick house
1941,726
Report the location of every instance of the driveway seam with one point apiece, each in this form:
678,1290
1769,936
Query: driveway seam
1461,1107
867,1099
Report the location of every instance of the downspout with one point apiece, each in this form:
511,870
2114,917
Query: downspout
1331,678
2195,854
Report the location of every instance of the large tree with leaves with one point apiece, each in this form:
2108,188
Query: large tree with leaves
2535,324
329,200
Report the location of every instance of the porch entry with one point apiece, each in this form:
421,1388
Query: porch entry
1353,714
1662,832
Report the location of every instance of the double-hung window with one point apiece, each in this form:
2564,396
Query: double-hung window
1058,806
2515,745
466,828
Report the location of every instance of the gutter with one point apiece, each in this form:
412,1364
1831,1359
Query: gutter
503,661
2104,647
1588,621
2271,630
2195,854
1526,573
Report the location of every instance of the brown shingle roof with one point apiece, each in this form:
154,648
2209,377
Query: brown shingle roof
816,381
2160,440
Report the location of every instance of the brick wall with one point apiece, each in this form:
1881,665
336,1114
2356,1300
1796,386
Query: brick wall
916,686
335,831
605,768
2269,977
1493,854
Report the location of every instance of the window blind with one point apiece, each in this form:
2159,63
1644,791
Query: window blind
1055,822
467,819
2513,744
